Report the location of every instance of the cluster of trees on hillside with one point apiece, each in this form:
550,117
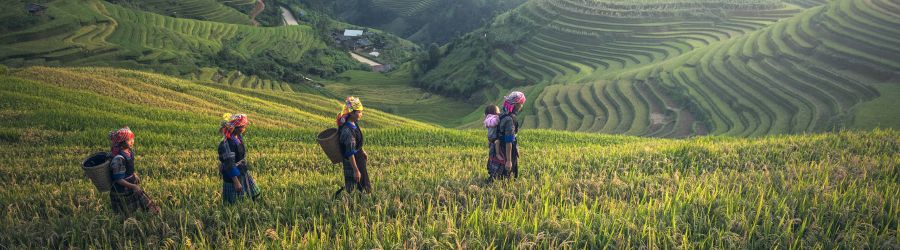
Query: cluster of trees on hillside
439,22
271,64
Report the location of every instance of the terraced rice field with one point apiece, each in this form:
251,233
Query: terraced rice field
799,75
208,10
237,79
595,38
99,33
405,7
808,3
153,95
576,190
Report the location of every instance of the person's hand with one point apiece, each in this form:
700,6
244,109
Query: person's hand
238,187
137,189
508,165
137,179
365,155
356,176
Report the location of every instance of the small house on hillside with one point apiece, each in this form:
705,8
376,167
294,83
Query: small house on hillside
35,9
353,33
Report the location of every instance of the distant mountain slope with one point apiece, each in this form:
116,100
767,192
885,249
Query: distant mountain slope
420,21
803,74
569,40
99,33
209,10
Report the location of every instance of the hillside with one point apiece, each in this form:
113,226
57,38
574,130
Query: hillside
421,21
113,97
223,11
100,33
577,190
602,68
566,40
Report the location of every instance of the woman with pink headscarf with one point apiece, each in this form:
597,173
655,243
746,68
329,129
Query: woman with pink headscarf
506,132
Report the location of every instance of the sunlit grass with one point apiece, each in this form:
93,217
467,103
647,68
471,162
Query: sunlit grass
837,190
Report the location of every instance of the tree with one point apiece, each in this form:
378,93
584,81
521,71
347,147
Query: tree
434,56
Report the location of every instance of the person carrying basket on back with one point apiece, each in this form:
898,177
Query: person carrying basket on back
356,176
126,194
238,183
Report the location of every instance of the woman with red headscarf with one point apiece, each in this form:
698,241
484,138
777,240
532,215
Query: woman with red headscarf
232,155
126,194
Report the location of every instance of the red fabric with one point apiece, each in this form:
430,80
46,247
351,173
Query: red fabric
238,120
117,137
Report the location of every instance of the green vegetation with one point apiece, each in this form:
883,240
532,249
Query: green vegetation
240,80
421,21
879,113
392,93
566,40
839,190
208,10
100,33
630,69
224,11
749,71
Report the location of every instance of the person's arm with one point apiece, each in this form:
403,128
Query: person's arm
356,174
237,184
231,171
506,125
509,154
133,187
497,149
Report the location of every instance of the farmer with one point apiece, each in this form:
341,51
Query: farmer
506,132
126,194
351,141
232,154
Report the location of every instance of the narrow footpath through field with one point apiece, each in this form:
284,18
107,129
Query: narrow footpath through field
260,6
363,59
290,20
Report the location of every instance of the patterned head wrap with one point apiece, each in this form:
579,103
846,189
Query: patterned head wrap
351,104
231,121
117,137
512,99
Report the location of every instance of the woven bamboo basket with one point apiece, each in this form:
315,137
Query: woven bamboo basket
96,168
329,142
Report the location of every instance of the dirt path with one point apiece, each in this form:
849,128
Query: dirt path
364,60
288,17
260,6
